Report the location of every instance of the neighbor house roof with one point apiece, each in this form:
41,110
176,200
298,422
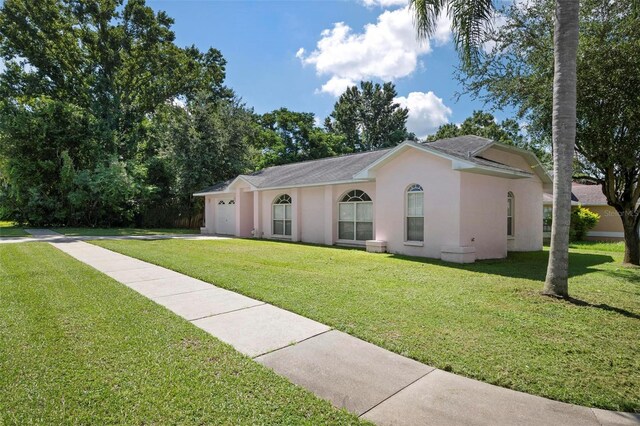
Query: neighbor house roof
586,195
346,168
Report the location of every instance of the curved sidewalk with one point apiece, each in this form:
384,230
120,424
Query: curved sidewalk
376,384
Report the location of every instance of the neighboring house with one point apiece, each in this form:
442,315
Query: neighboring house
457,199
609,227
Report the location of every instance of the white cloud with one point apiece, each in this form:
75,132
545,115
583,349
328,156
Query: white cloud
442,34
426,112
336,86
386,50
384,3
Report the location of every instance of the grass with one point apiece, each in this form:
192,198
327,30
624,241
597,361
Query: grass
612,247
487,320
9,229
100,232
79,348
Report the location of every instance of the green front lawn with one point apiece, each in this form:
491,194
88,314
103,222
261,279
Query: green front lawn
76,347
104,232
487,320
617,247
9,229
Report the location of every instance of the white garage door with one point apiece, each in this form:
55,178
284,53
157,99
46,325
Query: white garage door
226,217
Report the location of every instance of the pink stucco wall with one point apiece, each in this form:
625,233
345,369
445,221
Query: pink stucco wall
483,219
312,215
441,202
460,209
528,203
209,215
244,212
314,211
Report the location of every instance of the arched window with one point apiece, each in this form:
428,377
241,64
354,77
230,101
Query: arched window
355,216
415,213
232,202
510,214
282,215
221,203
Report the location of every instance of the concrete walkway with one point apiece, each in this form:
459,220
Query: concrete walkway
40,235
372,382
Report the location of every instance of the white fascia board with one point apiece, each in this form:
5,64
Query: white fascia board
457,163
310,185
243,179
204,194
485,170
238,178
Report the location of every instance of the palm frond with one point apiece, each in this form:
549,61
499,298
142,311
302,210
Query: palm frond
470,21
425,15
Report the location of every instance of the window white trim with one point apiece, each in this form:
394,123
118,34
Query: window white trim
413,191
511,215
281,206
355,198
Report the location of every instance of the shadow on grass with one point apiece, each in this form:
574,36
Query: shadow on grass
629,274
527,265
604,307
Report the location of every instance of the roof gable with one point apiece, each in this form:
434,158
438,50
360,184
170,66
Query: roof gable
463,152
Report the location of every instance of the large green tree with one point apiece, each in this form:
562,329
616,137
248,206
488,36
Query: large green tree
369,118
288,137
470,21
517,72
84,78
191,146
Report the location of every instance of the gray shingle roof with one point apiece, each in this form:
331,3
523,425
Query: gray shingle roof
465,146
589,195
548,199
343,168
325,170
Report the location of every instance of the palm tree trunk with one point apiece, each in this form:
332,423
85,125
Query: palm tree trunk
564,135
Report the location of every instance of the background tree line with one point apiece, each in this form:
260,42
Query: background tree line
105,121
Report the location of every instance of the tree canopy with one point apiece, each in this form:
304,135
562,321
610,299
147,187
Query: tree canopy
287,137
518,72
369,118
83,87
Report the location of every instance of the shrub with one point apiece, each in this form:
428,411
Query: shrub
582,221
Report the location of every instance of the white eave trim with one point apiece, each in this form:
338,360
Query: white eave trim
486,170
456,163
233,182
273,188
309,185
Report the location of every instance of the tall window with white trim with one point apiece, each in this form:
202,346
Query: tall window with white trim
510,214
415,213
355,216
282,215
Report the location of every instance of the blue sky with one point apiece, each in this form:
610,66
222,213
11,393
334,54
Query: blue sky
301,54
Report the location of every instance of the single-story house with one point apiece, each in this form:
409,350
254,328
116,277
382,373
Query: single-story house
609,227
457,199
